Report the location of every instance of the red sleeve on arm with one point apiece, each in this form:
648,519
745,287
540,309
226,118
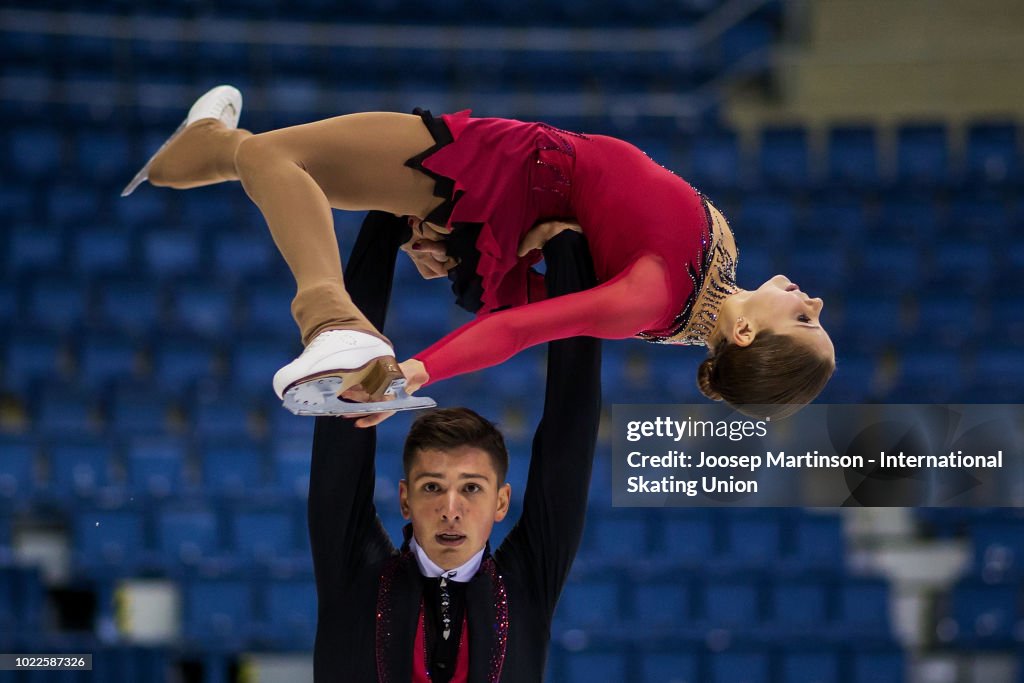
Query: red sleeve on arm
637,299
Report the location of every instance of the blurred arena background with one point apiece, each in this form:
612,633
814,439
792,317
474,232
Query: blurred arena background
152,492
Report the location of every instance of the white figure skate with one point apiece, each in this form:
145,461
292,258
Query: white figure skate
223,102
337,360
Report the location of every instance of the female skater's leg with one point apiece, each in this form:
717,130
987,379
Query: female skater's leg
296,175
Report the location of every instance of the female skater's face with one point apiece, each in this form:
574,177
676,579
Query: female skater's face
453,500
779,305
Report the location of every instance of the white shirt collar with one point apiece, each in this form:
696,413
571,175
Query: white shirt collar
460,574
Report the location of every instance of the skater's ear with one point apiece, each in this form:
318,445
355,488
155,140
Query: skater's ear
504,500
403,498
743,332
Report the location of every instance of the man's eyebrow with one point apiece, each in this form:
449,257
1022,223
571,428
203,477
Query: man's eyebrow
438,475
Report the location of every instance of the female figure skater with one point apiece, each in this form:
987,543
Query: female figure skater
473,189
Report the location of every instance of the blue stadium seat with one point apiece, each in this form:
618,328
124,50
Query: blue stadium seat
36,152
291,465
588,602
210,208
658,604
17,203
978,218
22,599
752,540
72,205
998,549
818,269
818,542
734,666
143,209
140,408
109,539
992,156
267,309
171,252
80,467
65,410
187,535
878,667
871,323
731,603
232,467
254,363
131,305
715,161
892,268
129,663
864,607
291,611
747,40
842,218
811,667
999,373
922,155
55,302
218,611
241,254
156,465
596,667
784,158
33,247
179,363
28,355
17,470
947,318
766,220
906,218
929,374
262,535
853,157
103,359
101,252
798,607
617,538
670,667
203,309
688,537
971,262
219,414
985,615
102,155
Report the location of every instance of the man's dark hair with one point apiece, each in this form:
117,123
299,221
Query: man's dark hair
451,428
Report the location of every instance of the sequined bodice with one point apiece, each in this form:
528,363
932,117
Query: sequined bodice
715,281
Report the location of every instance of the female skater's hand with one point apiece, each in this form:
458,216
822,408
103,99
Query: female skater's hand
430,256
415,377
542,232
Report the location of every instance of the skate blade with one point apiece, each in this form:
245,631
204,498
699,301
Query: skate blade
320,397
143,174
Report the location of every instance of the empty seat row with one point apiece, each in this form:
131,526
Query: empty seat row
152,467
697,537
805,663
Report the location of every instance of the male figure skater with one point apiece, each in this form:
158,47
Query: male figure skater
443,608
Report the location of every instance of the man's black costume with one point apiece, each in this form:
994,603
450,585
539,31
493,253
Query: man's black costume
369,593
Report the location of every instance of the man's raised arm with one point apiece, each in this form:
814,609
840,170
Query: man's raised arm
343,528
547,536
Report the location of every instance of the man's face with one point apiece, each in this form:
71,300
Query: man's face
453,500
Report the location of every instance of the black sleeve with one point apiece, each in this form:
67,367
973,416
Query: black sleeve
345,533
547,535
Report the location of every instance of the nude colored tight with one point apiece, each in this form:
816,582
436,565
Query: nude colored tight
296,176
